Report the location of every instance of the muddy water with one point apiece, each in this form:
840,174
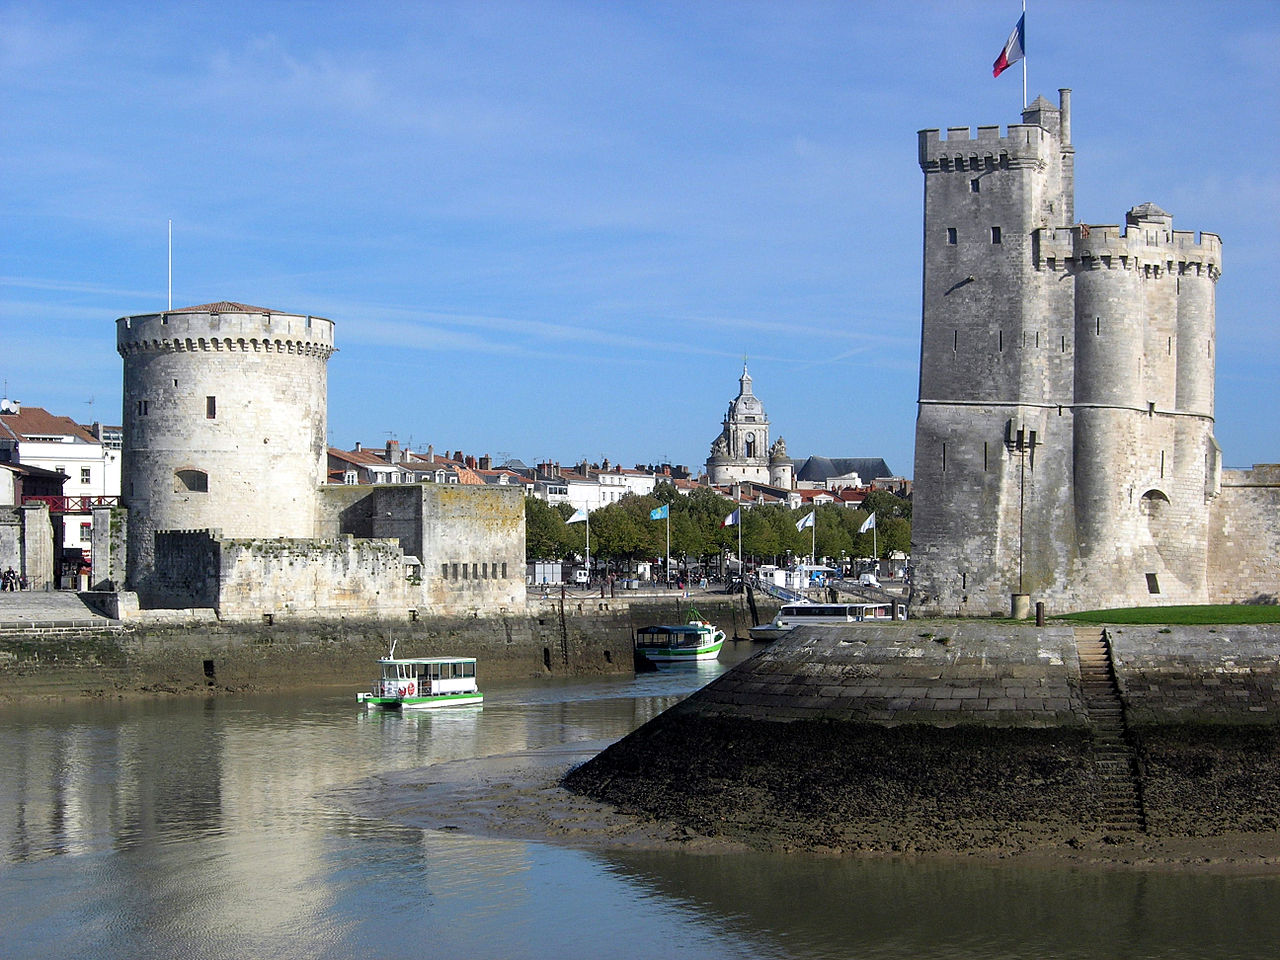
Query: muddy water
194,829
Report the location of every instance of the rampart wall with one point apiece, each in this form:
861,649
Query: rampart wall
1244,562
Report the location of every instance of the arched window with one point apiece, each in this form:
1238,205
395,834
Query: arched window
190,481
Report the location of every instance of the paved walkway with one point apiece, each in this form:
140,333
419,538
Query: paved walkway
46,608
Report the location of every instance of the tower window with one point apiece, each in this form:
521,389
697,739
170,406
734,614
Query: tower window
190,481
975,185
1153,583
951,235
995,235
211,408
144,407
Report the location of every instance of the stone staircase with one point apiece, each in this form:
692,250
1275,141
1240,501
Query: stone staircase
1117,762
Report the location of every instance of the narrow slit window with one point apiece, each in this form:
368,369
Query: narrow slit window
1153,583
951,235
944,458
975,185
995,235
211,408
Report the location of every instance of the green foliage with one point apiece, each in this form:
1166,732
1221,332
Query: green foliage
623,532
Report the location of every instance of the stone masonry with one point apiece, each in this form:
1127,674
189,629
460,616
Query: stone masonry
1064,440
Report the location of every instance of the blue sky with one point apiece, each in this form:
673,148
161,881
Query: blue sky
553,230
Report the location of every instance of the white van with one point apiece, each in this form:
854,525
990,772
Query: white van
868,580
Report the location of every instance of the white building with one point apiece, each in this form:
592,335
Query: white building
34,437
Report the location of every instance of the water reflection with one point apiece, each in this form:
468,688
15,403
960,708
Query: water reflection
200,829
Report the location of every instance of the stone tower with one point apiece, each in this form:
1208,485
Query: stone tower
1064,443
741,451
224,424
781,469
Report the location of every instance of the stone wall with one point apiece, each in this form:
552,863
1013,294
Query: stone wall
1244,563
26,544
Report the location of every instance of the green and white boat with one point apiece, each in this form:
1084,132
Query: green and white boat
423,682
695,640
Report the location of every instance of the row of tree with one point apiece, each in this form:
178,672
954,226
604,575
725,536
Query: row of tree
623,532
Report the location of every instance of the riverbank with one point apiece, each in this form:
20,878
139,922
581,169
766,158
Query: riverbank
521,797
969,739
578,634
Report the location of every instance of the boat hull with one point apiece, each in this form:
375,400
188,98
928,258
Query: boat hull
681,654
420,703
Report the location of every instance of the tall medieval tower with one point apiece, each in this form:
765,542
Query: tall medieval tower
1064,437
224,424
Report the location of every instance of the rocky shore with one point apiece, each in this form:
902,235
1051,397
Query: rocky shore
886,740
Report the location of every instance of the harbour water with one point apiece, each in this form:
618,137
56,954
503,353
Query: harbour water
212,829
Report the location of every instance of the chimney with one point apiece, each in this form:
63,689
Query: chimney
486,462
457,456
393,451
358,447
431,453
605,466
469,462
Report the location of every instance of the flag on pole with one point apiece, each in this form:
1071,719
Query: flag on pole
868,524
1014,49
733,519
657,513
578,517
805,521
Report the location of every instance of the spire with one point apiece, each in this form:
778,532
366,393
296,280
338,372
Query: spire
744,382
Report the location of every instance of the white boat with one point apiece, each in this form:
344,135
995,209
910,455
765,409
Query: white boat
423,682
695,640
792,615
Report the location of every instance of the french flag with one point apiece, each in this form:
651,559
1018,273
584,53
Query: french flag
733,519
1014,50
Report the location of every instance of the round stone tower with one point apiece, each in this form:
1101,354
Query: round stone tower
224,424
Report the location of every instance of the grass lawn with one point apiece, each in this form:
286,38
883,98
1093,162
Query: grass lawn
1221,613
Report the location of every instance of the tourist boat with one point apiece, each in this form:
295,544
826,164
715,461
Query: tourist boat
792,615
423,682
695,640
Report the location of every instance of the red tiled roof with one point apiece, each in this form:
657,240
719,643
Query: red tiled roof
38,422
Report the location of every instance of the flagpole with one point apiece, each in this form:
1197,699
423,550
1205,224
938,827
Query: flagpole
588,544
668,544
1024,55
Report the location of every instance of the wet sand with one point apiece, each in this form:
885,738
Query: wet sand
519,797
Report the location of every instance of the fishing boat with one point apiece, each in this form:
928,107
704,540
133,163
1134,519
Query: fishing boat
695,640
792,615
423,682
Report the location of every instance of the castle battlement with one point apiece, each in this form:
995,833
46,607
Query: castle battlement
225,326
963,151
1130,246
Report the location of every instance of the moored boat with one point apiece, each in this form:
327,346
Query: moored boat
792,615
423,682
695,640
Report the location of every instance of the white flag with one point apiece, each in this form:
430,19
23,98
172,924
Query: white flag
805,521
578,517
868,524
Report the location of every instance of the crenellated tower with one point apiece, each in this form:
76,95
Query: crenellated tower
1064,443
224,424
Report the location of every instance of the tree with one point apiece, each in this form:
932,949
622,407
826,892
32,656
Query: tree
545,534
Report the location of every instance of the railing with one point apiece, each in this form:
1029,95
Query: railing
73,504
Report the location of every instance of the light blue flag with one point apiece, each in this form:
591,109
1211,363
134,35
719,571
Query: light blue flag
578,517
805,521
658,513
